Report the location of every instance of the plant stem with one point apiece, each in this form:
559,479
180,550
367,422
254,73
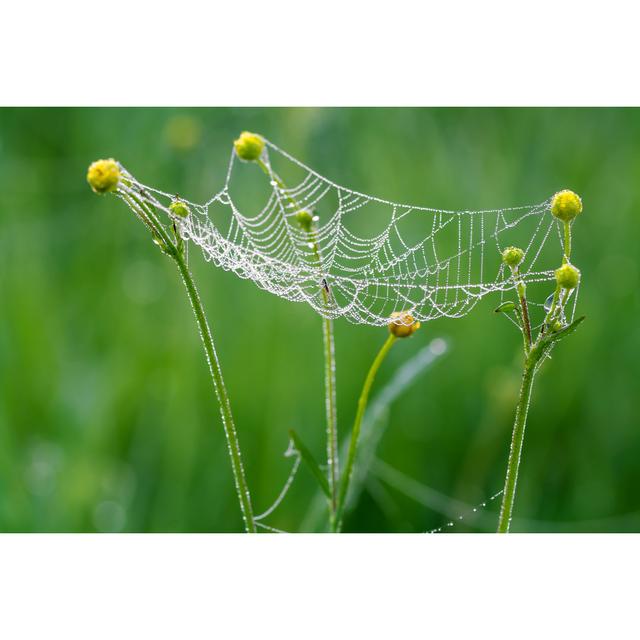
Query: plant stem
221,393
567,241
332,431
526,323
517,440
355,432
330,397
175,251
525,320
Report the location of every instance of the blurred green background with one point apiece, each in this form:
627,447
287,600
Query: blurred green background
107,417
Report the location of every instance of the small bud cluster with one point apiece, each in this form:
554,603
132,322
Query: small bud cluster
567,276
305,219
512,256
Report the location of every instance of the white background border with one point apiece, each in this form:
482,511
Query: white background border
314,586
327,52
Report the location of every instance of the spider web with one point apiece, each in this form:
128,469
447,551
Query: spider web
366,257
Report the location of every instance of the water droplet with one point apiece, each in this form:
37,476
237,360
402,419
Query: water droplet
548,302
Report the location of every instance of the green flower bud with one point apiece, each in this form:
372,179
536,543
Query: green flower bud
104,175
567,276
305,219
566,205
512,256
249,146
179,208
402,324
556,325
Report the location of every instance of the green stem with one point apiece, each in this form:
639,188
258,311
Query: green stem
221,393
525,319
332,431
149,217
567,241
517,440
355,432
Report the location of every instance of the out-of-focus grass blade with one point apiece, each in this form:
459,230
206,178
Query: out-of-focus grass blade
370,434
310,461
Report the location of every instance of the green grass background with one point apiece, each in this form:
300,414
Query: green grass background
107,417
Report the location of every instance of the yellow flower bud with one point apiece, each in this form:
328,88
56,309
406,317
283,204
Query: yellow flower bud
402,324
179,208
567,276
249,146
566,205
104,175
512,256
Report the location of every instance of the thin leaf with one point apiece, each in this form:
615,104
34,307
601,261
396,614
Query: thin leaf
505,307
308,458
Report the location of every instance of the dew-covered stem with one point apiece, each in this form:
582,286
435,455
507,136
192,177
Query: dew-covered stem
330,401
221,393
526,322
517,440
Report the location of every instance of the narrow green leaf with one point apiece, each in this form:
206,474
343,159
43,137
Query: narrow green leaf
505,307
307,456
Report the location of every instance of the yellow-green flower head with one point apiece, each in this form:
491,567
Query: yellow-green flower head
567,276
305,219
104,175
402,324
179,208
249,146
566,205
512,256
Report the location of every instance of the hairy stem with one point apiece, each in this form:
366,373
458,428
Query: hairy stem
355,432
330,397
525,320
517,440
221,392
332,431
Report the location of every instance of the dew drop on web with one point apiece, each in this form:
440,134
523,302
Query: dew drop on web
548,302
